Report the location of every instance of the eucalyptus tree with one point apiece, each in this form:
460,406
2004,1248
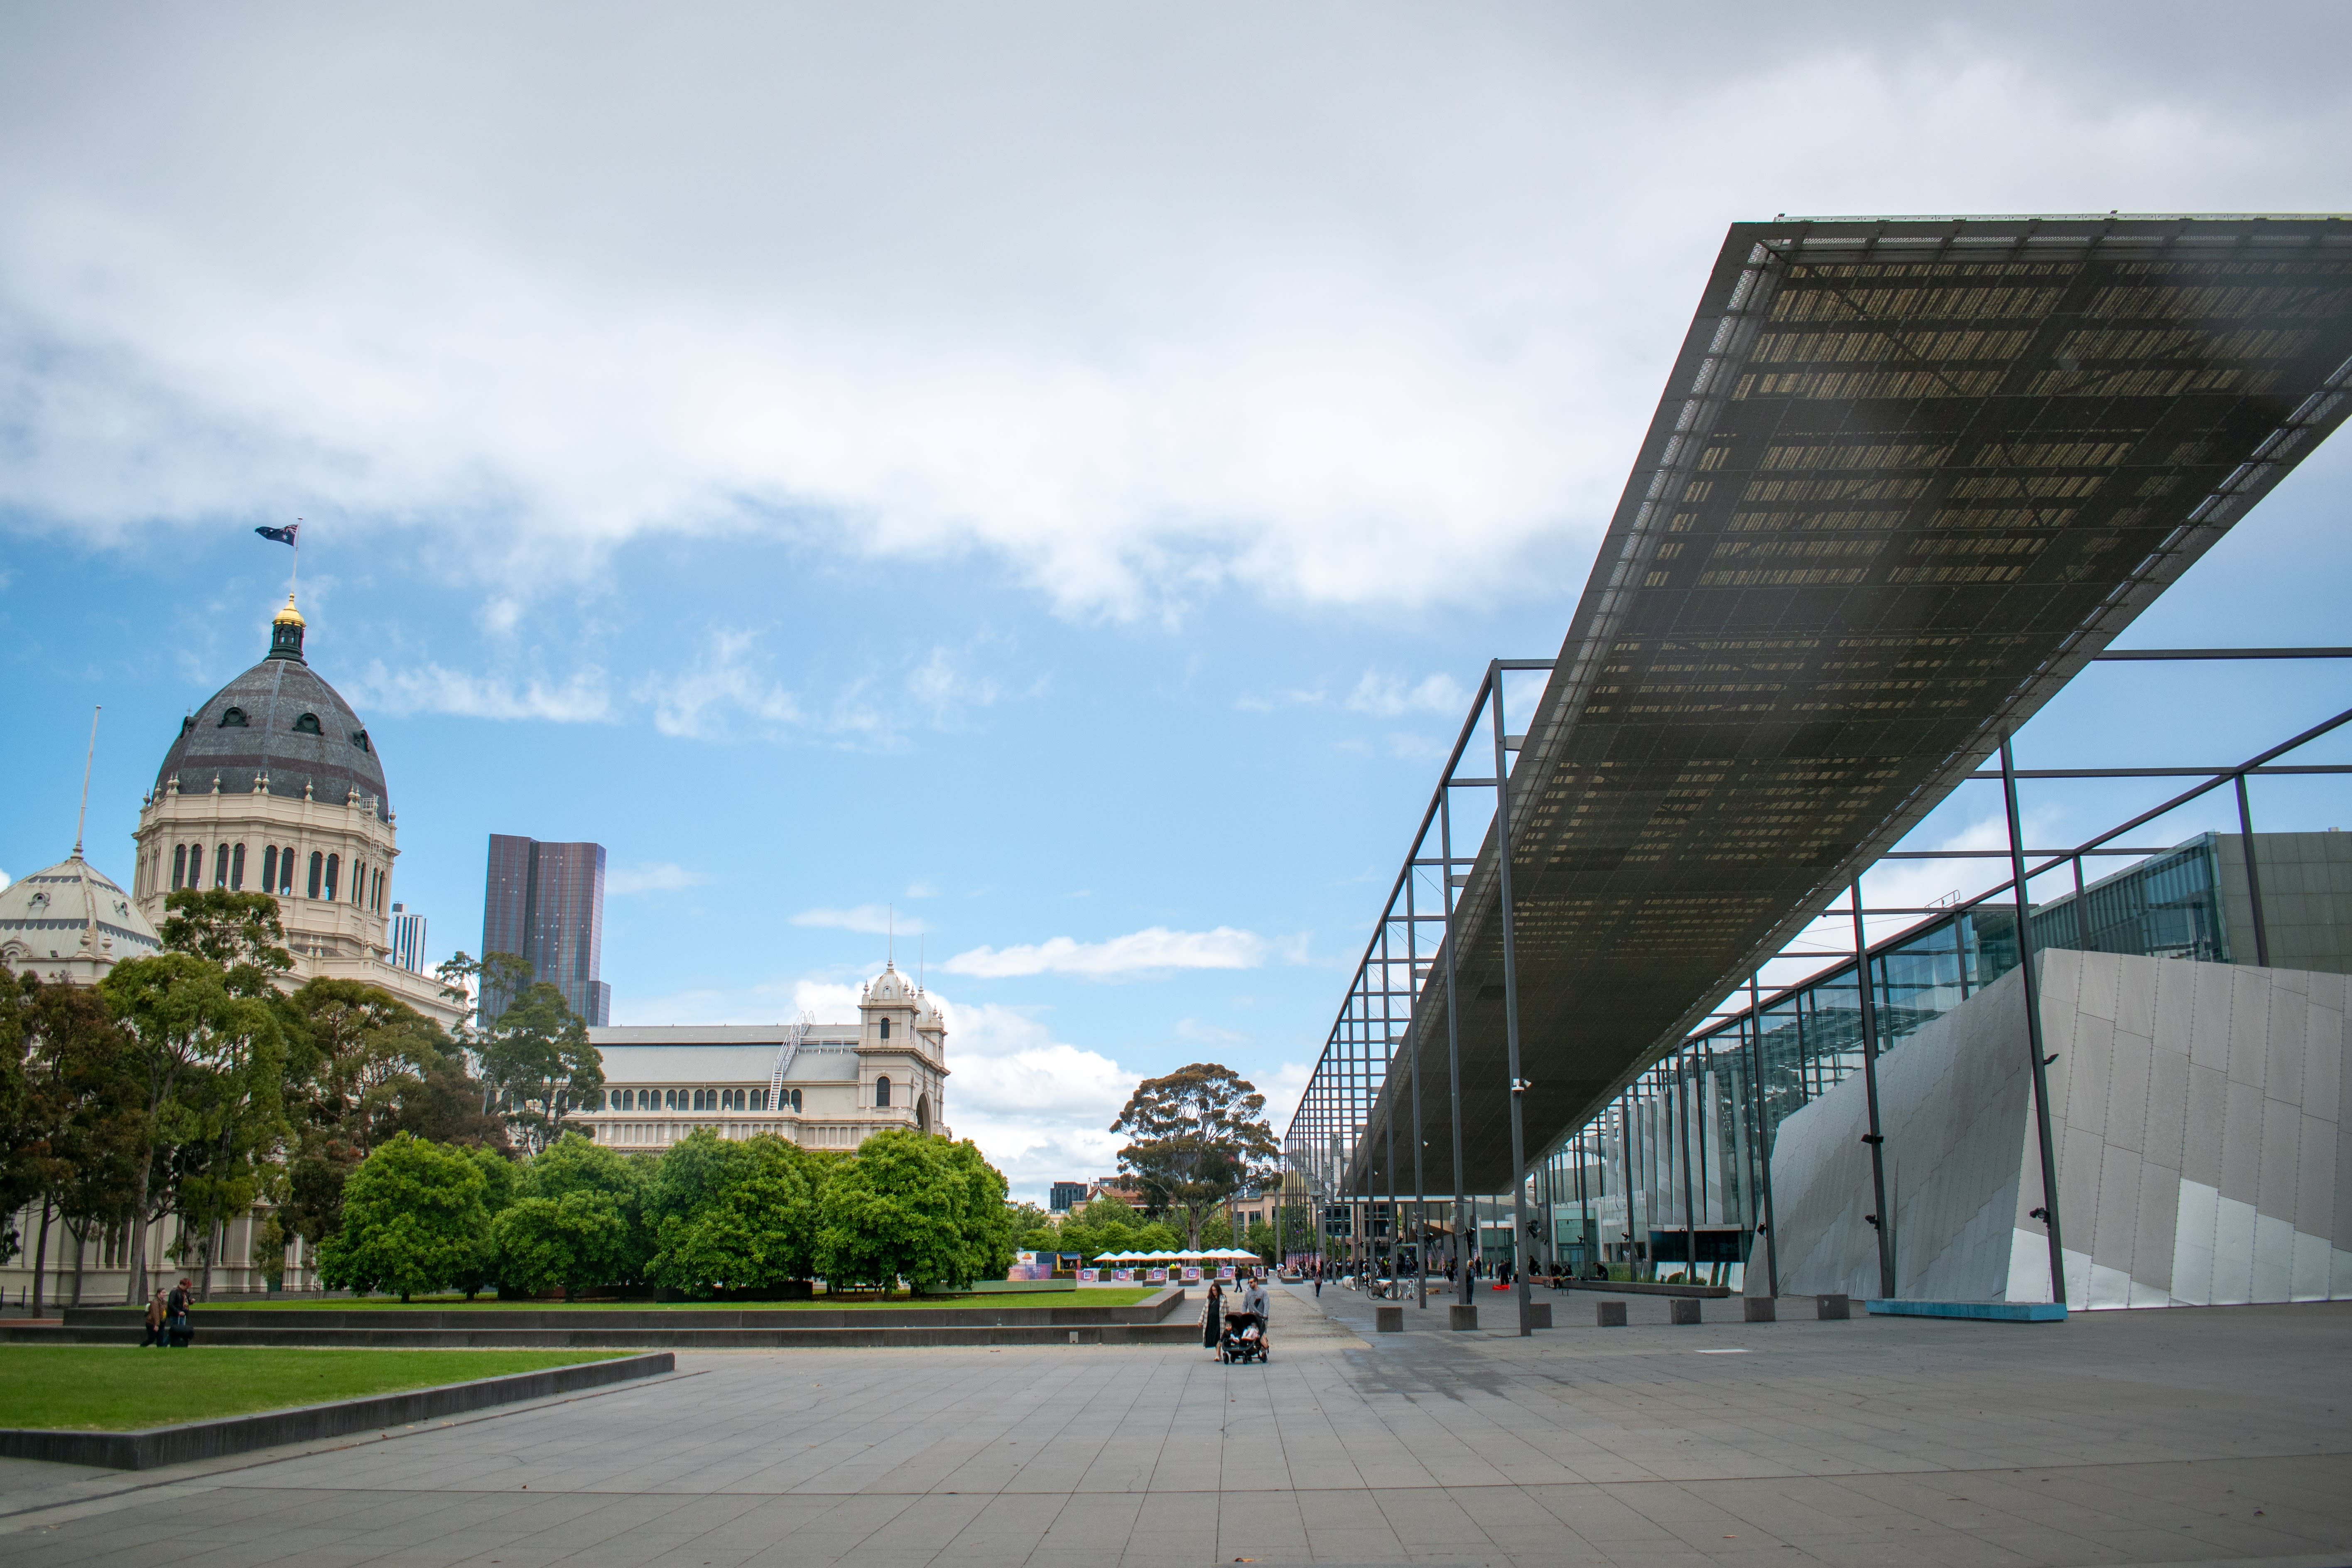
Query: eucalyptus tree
1196,1138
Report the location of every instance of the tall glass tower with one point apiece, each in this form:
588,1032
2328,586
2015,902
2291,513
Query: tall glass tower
545,904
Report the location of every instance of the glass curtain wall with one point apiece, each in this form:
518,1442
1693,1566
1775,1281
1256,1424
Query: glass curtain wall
1667,1181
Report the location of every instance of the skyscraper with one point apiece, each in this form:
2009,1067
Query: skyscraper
407,938
545,904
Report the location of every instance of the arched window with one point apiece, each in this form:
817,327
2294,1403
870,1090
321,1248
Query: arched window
701,1100
334,867
318,864
179,865
669,1099
236,869
233,719
269,869
886,1028
379,893
882,1091
286,872
796,1099
220,866
308,725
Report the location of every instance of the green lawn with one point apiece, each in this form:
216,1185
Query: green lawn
1091,1296
119,1388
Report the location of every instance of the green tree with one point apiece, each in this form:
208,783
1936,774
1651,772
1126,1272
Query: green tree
574,1221
738,1215
903,1208
1196,1137
983,1225
239,932
1104,1224
1033,1230
185,1025
361,1065
71,1131
413,1221
536,1060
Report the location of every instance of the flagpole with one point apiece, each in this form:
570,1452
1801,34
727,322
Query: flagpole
294,584
82,816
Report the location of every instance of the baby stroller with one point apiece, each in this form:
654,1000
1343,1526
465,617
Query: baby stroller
1244,1339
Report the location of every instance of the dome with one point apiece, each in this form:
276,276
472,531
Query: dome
888,986
48,913
281,720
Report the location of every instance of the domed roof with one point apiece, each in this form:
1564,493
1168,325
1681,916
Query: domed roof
50,910
281,720
889,987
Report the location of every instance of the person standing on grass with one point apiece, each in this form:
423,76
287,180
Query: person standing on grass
178,1330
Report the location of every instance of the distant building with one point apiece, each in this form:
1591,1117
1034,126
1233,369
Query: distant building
821,1086
1066,1196
545,904
407,938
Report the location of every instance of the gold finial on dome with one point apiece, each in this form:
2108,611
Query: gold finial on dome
289,616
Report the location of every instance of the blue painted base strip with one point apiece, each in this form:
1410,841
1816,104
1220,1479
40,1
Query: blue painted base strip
1998,1311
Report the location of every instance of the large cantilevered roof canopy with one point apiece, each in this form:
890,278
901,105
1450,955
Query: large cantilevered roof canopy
1908,476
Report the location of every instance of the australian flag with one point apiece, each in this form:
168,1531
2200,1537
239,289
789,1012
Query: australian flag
283,536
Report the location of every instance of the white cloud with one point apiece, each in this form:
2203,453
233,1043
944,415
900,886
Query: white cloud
1381,329
1386,696
875,919
659,877
1283,1089
945,689
719,693
1156,949
430,689
922,890
1208,1034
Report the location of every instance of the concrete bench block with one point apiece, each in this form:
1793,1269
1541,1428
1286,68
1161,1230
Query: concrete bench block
1763,1310
1540,1314
1461,1318
1389,1320
1832,1309
1608,1314
1682,1310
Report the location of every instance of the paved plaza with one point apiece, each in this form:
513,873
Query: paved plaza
2183,1435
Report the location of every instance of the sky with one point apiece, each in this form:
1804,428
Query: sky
1041,480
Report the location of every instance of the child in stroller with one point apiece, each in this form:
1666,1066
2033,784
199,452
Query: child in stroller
1244,1339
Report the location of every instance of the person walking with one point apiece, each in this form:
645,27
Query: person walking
1212,1317
177,1327
156,1317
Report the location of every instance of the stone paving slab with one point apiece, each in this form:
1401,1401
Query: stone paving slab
2186,1435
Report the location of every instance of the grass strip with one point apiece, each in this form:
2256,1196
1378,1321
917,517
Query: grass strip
121,1388
1093,1296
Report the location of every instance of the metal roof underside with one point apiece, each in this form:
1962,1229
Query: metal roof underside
1907,476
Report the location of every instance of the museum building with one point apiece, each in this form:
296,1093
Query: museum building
274,785
821,1086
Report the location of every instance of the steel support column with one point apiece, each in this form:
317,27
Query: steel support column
2029,977
1881,1220
1510,995
2254,877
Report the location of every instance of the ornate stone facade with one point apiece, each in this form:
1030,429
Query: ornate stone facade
274,785
823,1086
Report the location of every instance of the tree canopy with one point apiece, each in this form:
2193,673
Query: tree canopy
1196,1137
413,1221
